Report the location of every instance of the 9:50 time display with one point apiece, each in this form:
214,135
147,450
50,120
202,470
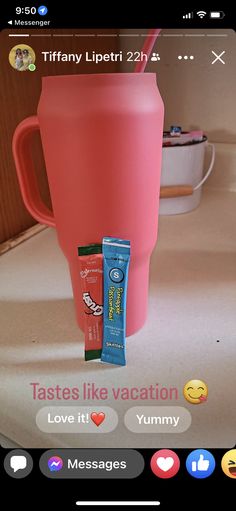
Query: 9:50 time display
26,10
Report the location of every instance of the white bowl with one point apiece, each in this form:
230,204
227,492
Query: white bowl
184,165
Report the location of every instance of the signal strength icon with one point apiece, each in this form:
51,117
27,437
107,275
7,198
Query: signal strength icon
188,16
201,14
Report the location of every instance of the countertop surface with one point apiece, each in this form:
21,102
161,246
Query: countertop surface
190,332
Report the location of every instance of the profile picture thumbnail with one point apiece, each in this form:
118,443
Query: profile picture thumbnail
21,57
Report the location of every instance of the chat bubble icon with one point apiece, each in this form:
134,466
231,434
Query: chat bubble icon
18,463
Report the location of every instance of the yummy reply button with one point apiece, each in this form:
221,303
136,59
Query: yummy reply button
157,419
76,419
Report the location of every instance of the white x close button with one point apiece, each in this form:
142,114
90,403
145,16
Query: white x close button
218,57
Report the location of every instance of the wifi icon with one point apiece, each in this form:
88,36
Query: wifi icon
201,14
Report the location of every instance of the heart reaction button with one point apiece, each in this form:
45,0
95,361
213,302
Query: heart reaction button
97,418
165,463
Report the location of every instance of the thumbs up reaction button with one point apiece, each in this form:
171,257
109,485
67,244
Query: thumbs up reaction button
200,463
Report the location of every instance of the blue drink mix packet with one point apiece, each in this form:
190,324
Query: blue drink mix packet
116,257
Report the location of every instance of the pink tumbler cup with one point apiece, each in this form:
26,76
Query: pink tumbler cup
102,142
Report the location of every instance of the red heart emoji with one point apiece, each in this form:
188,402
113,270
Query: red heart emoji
98,418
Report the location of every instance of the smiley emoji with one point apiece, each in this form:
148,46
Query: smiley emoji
228,463
195,392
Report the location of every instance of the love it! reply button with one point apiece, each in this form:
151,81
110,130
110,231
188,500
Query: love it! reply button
76,419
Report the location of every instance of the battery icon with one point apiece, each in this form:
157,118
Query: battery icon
217,15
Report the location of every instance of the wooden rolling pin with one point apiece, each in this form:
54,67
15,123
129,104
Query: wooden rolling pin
169,192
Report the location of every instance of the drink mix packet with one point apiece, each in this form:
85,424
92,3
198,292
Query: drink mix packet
116,253
91,277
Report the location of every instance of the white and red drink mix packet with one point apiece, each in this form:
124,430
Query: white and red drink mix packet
91,278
